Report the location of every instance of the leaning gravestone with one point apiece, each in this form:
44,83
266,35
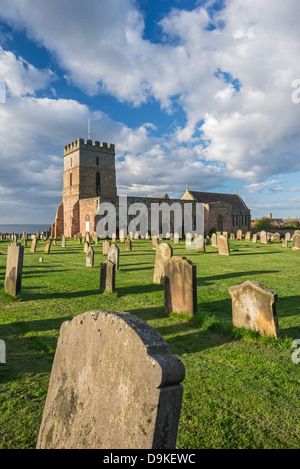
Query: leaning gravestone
180,286
107,276
33,244
263,237
90,257
105,246
114,384
223,246
296,241
253,307
47,247
128,246
63,241
163,253
113,255
14,267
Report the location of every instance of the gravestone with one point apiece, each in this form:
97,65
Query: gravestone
128,246
63,241
263,237
223,246
41,260
180,286
285,243
154,243
47,247
239,235
24,236
254,238
207,240
225,233
88,237
113,255
188,239
200,246
86,246
90,257
136,235
232,236
287,236
253,307
114,384
296,241
25,243
214,240
163,253
176,238
276,238
79,238
14,267
107,276
248,236
121,236
33,244
95,238
113,238
105,246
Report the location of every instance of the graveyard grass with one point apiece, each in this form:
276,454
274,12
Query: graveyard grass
240,390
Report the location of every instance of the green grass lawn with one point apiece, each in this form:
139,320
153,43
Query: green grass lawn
240,390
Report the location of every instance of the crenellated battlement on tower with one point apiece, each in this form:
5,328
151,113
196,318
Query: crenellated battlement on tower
89,145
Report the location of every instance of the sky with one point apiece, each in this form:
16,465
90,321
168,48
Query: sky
199,93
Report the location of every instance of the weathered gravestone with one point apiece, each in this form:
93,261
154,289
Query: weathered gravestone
14,266
88,237
121,236
176,238
86,246
136,235
113,237
105,246
223,246
239,235
200,246
248,236
296,241
287,236
225,233
33,244
63,241
207,241
232,236
276,238
47,247
79,238
95,237
253,307
163,253
90,257
254,238
188,239
180,286
285,243
128,246
114,384
107,276
214,240
263,237
113,255
154,242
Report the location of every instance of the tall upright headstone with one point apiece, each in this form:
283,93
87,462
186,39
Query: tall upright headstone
114,385
163,253
113,255
63,241
105,246
239,235
223,246
90,257
33,244
180,286
214,240
296,242
128,246
47,247
263,237
14,267
107,276
200,246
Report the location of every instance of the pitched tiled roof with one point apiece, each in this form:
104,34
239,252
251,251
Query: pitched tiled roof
234,200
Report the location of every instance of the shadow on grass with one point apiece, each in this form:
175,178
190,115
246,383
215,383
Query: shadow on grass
208,280
55,295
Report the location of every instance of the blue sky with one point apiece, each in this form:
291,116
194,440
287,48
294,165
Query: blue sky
191,92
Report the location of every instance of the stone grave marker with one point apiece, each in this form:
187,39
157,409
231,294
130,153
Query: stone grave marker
223,246
180,286
113,255
154,243
121,236
114,384
47,247
254,238
88,237
214,240
63,241
254,307
14,267
276,238
107,276
33,244
176,238
128,246
239,235
105,246
86,246
232,236
263,237
200,246
285,243
296,241
90,257
287,236
95,238
248,236
163,253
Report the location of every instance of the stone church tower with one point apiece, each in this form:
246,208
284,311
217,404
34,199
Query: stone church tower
89,173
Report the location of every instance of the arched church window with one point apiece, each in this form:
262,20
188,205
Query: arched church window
98,184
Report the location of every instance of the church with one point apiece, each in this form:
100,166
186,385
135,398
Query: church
89,179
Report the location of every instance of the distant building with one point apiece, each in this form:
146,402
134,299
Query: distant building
89,179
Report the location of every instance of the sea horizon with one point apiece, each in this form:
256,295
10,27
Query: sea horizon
29,228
